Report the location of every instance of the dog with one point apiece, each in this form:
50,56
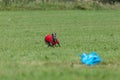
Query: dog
51,40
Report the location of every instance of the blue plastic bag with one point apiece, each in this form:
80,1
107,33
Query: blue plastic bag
89,59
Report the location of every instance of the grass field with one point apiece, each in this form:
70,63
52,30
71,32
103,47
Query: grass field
25,56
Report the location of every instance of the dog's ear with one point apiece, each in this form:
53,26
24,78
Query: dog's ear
54,34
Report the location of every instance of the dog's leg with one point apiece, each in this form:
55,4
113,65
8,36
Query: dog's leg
48,43
58,44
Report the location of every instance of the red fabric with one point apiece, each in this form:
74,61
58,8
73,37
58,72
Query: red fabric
48,38
56,42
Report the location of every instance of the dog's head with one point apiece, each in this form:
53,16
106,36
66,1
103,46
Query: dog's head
54,37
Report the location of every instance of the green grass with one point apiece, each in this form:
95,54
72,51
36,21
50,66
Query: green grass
25,56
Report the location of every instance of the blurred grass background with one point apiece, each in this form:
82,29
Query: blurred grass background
59,5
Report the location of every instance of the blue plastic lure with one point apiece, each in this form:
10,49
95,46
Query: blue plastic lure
89,59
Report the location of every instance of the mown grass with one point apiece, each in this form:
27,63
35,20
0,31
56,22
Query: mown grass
24,55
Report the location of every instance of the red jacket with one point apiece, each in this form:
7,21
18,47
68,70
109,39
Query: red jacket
48,38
